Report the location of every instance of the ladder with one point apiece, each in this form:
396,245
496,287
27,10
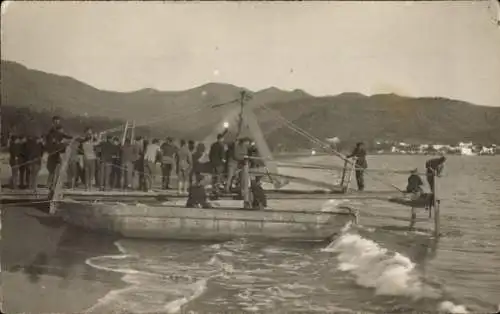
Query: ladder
129,126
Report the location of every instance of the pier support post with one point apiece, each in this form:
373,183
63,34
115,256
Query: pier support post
245,185
56,192
344,172
350,174
436,204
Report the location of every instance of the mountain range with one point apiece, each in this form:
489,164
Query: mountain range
192,113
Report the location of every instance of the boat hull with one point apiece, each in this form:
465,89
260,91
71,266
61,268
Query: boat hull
421,202
177,222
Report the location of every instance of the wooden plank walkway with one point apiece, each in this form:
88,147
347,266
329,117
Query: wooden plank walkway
12,196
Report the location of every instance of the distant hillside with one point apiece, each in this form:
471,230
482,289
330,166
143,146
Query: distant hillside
169,111
392,117
350,116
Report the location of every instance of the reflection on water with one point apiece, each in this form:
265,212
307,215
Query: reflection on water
377,267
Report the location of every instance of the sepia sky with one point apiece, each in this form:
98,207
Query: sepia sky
449,49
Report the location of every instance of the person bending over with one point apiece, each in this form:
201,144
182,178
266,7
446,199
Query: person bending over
259,199
197,197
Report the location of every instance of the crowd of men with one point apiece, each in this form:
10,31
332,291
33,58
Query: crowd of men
108,163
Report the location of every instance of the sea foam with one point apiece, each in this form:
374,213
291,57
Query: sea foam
387,272
147,292
375,267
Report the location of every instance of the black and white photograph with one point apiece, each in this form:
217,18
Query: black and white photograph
250,157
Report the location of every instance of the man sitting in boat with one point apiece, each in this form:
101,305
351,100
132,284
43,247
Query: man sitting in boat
259,199
415,184
197,196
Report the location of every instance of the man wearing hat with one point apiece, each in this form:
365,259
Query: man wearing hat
415,183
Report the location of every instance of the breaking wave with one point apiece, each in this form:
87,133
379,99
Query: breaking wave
388,273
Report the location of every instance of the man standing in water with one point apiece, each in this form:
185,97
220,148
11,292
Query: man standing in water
434,167
360,153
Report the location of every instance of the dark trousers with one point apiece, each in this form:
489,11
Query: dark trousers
34,169
166,170
360,180
24,174
89,166
105,172
139,172
15,175
116,173
217,176
430,180
52,162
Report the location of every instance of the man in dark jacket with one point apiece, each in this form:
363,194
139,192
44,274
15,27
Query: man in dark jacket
107,150
217,156
434,167
168,153
24,170
360,153
129,155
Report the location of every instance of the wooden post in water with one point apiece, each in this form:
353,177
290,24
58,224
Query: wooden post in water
350,174
56,192
436,205
245,185
344,172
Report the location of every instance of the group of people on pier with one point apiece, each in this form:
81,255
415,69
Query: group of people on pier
108,163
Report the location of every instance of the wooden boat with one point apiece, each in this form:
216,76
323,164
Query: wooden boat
175,221
423,201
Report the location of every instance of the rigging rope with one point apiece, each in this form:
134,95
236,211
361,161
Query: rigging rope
325,146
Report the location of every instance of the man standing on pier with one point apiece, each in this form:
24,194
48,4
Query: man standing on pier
217,159
152,155
15,160
107,151
184,162
168,152
360,153
236,160
129,155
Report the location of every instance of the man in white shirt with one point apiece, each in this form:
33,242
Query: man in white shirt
151,156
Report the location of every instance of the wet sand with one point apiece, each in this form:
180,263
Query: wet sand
43,264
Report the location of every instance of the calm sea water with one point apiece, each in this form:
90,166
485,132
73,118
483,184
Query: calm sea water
376,267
